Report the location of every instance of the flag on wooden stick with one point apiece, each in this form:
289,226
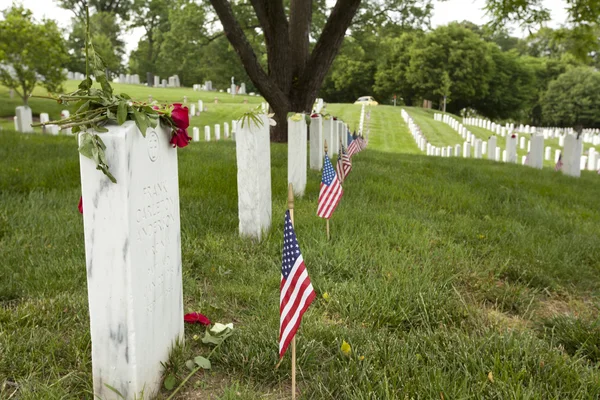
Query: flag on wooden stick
559,163
331,190
296,289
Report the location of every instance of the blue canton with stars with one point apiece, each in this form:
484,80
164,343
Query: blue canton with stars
328,172
350,139
291,250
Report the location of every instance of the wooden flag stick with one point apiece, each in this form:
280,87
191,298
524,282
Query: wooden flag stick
326,148
291,209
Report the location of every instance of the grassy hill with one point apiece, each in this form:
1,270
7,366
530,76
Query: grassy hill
450,278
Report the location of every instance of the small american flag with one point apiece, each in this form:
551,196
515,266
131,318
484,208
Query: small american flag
352,147
344,164
331,191
559,163
296,289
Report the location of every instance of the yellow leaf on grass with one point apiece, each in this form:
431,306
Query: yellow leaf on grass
490,377
346,349
326,296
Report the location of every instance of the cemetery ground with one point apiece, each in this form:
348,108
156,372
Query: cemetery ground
450,278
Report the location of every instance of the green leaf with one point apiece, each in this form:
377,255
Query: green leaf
125,96
190,365
86,146
121,113
169,382
140,121
85,84
202,362
100,129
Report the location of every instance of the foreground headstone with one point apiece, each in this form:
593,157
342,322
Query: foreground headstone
316,143
511,149
133,259
571,156
466,150
253,150
478,148
297,155
24,119
328,127
536,154
491,148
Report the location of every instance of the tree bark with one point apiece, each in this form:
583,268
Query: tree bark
294,75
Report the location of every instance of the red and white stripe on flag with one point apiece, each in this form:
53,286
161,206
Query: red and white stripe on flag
331,191
296,290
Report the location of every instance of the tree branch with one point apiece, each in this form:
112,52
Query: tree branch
265,84
326,49
300,20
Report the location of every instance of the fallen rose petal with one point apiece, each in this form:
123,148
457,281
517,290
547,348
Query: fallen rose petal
193,318
80,205
180,138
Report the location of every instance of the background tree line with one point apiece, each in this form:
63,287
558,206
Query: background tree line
548,78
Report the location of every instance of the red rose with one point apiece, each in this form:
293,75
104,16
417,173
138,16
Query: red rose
80,205
315,115
193,318
180,116
335,118
180,138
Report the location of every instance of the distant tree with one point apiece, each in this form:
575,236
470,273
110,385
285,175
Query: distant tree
106,36
116,7
533,12
513,87
391,77
31,53
454,52
153,17
573,99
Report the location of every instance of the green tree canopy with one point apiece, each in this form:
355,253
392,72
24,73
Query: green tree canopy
573,99
31,53
106,36
455,52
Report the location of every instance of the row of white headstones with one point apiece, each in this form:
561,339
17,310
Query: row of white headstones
588,135
24,118
572,158
133,238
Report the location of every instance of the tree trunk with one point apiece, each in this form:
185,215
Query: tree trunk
294,75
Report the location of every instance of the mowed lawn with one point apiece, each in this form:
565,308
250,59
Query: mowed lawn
450,278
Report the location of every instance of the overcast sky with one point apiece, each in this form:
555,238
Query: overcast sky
444,12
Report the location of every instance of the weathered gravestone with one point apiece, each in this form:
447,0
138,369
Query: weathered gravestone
571,157
24,119
133,260
477,148
491,149
511,149
316,143
466,150
297,154
253,152
536,154
328,127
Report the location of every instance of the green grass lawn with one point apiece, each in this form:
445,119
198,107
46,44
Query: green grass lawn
453,278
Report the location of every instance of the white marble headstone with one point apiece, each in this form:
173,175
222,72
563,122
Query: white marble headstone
253,150
133,260
297,155
196,134
466,150
536,154
328,127
491,149
226,130
24,119
217,132
207,133
572,156
316,143
511,149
